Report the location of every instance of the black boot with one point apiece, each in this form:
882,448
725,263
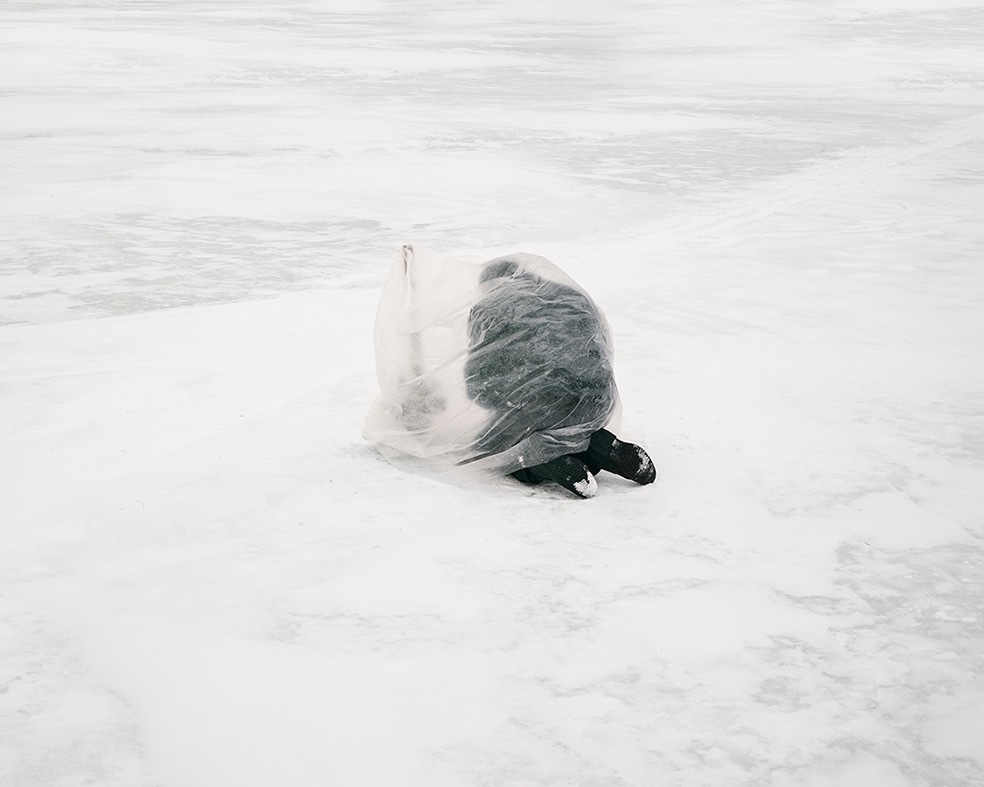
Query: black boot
607,452
568,471
524,475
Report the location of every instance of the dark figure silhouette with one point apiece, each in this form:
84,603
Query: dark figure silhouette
539,360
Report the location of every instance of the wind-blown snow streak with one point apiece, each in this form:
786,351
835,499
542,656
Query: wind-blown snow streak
208,578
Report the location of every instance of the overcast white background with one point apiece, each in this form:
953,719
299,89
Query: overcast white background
208,578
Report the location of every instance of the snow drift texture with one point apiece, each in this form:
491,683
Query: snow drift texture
499,366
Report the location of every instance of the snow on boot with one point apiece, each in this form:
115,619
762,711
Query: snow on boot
568,471
607,452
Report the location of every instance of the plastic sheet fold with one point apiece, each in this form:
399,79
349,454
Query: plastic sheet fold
497,366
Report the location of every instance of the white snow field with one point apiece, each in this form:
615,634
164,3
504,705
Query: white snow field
208,577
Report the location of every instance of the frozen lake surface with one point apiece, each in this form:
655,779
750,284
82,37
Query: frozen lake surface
207,577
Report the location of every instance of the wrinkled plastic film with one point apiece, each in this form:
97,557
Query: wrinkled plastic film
496,366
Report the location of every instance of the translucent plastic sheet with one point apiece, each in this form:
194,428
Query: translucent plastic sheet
497,366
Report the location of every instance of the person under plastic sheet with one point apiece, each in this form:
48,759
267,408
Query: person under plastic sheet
504,366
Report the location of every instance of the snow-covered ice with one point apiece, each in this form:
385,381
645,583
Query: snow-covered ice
207,577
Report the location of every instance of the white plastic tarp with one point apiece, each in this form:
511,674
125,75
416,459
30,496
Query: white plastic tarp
499,366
